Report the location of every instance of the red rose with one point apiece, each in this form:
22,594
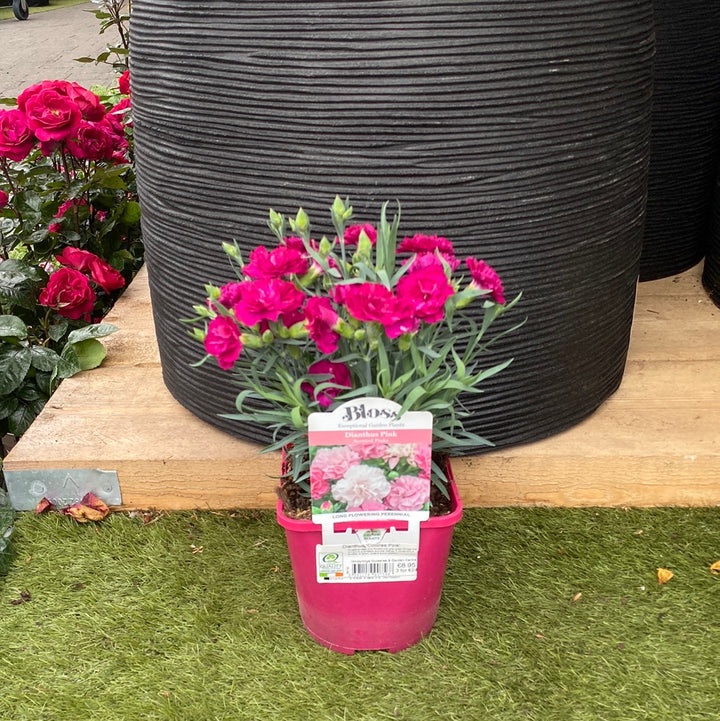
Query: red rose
102,273
59,86
223,341
121,112
91,141
124,83
68,292
52,116
89,103
4,197
16,139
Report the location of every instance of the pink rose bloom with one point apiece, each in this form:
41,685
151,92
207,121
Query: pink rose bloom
68,292
371,449
4,199
366,301
329,464
16,138
276,263
223,341
64,207
321,320
352,234
52,116
408,493
485,278
338,374
266,299
426,290
91,141
361,484
124,83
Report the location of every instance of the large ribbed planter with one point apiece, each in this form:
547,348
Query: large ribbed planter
519,130
711,269
685,138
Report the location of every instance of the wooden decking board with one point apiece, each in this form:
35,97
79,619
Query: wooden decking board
655,442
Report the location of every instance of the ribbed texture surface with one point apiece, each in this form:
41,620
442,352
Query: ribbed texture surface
685,138
519,130
711,269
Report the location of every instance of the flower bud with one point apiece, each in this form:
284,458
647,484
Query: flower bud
276,220
250,341
213,292
232,251
203,311
298,330
325,247
267,337
359,334
301,223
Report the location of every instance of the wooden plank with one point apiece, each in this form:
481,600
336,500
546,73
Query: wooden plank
655,442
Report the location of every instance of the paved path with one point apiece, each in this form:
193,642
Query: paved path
43,48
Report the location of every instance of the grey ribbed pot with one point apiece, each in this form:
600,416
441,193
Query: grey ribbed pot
519,130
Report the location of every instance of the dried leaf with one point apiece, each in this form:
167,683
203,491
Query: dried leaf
639,532
43,506
715,568
90,508
664,575
577,597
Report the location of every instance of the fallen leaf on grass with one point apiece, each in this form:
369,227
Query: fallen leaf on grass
664,575
196,549
715,568
577,597
43,506
90,508
24,598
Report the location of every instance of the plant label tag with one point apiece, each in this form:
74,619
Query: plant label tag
369,556
367,462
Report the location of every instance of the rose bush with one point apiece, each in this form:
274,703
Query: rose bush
312,323
69,237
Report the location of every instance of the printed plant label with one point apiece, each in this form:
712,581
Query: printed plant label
361,563
366,463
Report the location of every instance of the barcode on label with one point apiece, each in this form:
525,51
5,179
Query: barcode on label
373,568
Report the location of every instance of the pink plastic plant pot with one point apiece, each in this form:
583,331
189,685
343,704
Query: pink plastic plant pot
377,615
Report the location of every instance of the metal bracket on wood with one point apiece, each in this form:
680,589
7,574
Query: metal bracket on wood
61,486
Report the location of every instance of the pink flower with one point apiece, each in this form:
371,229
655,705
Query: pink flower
422,458
91,141
124,83
16,138
52,116
366,301
223,341
400,318
59,86
68,292
4,198
230,294
408,493
361,484
72,203
266,299
371,449
55,227
295,243
371,505
321,320
352,234
329,464
425,244
319,486
426,290
338,374
485,278
120,114
276,263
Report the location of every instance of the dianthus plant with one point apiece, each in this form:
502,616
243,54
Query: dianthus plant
310,324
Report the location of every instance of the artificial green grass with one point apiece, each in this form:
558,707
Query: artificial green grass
133,621
6,12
